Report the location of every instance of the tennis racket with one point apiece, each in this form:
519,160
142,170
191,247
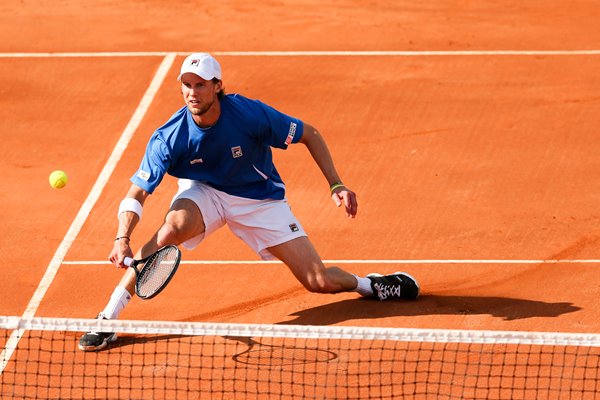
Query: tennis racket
156,271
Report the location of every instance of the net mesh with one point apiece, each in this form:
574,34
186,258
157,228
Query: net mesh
159,360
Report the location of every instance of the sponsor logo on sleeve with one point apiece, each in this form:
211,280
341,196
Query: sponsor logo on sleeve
143,175
294,227
291,133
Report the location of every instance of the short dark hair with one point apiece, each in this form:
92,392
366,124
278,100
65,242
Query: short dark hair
222,92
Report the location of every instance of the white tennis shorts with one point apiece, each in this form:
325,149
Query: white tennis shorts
259,223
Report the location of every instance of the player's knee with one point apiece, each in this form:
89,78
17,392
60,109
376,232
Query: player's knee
180,225
168,234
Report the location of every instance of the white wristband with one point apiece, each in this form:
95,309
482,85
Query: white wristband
130,204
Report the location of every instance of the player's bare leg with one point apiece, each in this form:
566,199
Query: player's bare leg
303,260
306,265
182,222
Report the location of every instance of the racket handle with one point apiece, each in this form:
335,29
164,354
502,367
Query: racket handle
128,261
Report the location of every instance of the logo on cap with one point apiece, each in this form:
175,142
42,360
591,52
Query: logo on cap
201,64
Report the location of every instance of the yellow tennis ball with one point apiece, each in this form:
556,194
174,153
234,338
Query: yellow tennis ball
58,179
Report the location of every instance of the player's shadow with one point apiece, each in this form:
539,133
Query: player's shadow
506,308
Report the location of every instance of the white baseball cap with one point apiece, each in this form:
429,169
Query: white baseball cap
201,64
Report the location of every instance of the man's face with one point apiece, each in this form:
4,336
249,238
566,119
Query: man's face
199,95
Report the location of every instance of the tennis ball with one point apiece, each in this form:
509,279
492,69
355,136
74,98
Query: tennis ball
58,179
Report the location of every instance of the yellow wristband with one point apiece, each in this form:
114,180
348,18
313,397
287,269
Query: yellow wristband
335,186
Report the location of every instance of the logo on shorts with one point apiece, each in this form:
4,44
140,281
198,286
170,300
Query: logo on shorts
291,133
294,227
236,151
197,161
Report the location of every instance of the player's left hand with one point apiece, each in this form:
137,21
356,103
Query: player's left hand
345,196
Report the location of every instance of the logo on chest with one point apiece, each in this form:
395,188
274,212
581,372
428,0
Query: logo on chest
236,151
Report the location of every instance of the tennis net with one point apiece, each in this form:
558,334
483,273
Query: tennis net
178,360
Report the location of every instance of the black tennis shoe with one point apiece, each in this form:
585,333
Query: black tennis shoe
398,285
95,341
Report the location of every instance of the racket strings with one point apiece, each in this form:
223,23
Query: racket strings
157,271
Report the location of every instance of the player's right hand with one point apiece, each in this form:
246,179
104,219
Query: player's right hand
119,251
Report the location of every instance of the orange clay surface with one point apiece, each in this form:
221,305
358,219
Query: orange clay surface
453,157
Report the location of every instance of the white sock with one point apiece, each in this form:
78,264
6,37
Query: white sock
364,286
117,303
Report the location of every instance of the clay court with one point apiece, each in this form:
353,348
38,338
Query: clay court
468,130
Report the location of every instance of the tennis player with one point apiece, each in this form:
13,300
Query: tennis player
219,147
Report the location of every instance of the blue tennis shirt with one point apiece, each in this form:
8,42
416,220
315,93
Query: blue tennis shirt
233,156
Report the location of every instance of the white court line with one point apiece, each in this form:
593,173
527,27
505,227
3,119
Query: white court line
374,53
87,206
253,262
